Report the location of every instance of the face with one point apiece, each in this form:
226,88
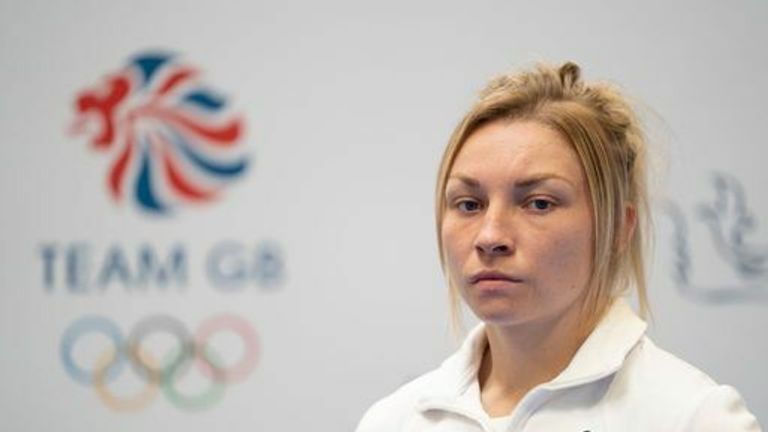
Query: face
517,228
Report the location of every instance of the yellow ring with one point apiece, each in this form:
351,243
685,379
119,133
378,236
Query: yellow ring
133,403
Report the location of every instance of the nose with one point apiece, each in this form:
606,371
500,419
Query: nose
495,237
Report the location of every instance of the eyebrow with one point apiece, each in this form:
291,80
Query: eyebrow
525,183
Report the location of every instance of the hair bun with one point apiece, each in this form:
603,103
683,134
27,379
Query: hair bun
569,74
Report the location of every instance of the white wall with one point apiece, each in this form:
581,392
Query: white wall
347,107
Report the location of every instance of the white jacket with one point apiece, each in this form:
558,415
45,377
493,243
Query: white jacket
617,381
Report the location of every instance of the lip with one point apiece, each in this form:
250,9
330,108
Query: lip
490,276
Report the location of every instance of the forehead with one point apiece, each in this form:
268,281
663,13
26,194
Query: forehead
510,151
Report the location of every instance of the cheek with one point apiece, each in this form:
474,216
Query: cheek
455,245
568,258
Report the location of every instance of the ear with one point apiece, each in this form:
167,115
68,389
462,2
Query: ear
628,225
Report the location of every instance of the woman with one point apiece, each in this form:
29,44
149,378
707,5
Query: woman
541,214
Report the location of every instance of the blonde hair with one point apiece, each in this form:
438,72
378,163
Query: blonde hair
597,120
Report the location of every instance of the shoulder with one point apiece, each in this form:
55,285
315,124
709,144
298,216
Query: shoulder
652,369
721,409
678,395
390,412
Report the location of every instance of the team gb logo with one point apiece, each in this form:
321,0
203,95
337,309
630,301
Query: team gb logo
172,139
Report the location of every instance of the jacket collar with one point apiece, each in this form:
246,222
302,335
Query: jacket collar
601,354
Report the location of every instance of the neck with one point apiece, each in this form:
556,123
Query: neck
520,357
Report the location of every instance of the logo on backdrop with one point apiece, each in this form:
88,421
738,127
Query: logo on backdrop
173,140
159,369
737,262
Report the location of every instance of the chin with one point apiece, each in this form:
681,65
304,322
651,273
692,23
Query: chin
497,310
498,316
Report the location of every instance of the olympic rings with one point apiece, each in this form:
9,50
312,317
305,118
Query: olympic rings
239,371
209,397
121,404
175,363
85,325
159,323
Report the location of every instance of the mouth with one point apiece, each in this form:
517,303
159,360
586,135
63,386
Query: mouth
84,124
78,126
493,276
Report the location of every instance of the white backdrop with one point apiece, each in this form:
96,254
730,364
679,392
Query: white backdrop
346,108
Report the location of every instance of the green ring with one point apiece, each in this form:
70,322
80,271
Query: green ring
199,401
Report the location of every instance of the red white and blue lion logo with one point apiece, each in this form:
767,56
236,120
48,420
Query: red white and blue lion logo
173,139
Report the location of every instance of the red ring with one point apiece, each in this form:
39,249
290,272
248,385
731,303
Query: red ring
242,328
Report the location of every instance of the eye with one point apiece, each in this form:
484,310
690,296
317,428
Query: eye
468,206
540,204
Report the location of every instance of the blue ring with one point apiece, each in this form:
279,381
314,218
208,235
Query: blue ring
87,324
